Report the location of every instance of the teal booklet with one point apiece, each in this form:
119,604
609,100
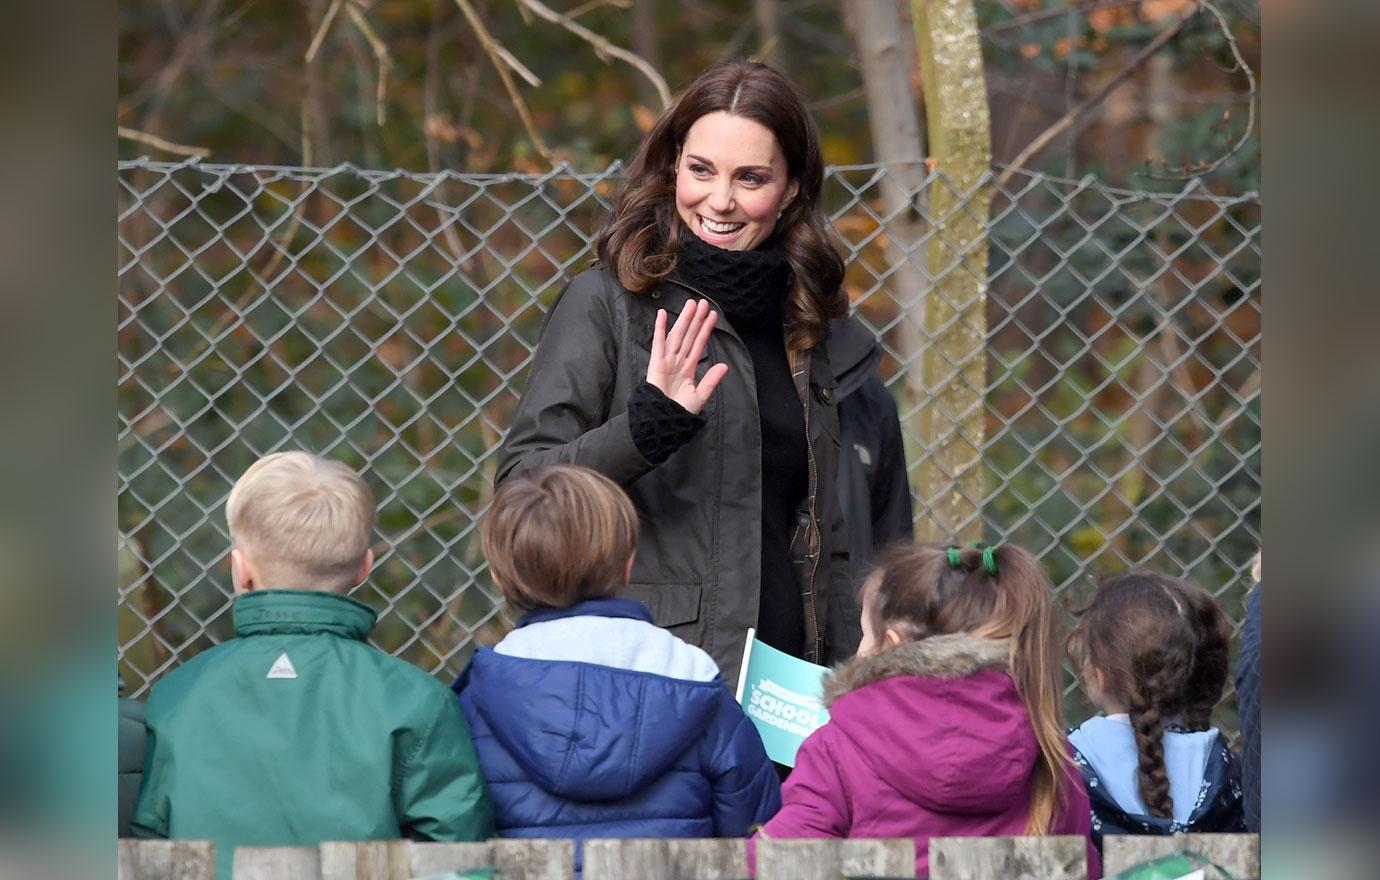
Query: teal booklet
781,694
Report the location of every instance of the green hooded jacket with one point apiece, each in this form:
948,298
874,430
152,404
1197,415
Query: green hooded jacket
298,731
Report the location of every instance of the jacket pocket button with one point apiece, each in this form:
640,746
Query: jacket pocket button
825,394
656,294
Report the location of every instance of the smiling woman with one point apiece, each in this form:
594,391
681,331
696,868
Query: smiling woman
723,429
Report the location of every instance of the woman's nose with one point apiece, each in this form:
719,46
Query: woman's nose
721,198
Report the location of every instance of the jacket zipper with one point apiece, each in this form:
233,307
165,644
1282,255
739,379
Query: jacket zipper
815,650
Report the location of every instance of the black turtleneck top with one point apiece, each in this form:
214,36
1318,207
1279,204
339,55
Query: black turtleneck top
750,288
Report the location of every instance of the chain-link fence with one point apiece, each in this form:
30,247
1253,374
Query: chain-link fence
387,319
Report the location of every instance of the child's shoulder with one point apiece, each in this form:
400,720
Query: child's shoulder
615,643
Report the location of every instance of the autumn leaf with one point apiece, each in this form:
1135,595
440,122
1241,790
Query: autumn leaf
643,118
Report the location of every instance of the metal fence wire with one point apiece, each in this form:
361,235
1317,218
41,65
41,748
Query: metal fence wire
387,319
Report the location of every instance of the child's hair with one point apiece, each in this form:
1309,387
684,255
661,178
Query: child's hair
557,535
917,591
1160,645
307,521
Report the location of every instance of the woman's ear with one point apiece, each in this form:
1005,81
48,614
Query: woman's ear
891,638
792,190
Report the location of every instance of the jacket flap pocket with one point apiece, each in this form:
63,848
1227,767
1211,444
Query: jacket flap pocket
670,603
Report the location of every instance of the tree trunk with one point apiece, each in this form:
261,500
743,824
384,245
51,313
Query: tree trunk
955,362
770,48
646,45
887,55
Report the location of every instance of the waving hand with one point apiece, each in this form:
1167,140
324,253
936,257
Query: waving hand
675,354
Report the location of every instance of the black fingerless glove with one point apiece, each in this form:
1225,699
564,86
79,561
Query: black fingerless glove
659,425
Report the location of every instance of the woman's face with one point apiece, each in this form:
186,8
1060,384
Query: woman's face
731,183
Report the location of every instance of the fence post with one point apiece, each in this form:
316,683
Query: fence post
365,860
959,128
719,859
277,863
1012,858
827,859
518,859
627,860
166,860
1237,854
437,858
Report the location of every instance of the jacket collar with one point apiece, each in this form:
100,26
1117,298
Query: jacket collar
630,608
948,656
265,612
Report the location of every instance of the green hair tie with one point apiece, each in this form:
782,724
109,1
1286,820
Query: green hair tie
989,560
954,560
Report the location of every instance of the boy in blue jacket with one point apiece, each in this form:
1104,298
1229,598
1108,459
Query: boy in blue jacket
589,720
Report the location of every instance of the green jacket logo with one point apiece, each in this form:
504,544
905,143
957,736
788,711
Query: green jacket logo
282,668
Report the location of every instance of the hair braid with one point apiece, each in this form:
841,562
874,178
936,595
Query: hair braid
1147,719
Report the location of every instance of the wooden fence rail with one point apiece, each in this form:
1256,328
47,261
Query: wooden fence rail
951,858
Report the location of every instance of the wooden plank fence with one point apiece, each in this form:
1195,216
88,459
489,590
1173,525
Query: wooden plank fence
951,858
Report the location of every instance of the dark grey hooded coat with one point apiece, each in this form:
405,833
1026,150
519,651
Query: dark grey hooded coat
698,564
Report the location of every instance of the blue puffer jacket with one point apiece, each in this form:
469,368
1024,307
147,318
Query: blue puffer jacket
590,722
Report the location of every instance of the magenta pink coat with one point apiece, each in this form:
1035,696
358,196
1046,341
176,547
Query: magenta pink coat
927,739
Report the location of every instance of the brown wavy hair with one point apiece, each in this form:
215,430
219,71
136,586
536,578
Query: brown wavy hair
1160,645
641,242
915,590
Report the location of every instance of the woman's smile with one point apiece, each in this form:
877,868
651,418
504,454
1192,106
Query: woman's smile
717,232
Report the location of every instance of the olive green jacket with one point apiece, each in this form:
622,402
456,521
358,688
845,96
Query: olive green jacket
698,564
297,731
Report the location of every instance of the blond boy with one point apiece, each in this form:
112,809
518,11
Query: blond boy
297,731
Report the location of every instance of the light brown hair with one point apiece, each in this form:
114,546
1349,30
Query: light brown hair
557,535
641,242
914,590
306,521
1160,645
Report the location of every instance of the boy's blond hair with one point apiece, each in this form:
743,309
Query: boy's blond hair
558,535
306,521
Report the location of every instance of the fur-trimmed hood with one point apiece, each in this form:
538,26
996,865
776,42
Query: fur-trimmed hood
939,721
948,656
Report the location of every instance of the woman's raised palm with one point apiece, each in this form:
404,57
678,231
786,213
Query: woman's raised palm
675,355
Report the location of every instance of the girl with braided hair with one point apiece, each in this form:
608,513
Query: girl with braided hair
948,722
1152,653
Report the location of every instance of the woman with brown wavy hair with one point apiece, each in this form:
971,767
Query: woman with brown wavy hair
722,428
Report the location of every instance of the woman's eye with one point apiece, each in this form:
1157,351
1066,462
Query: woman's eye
699,170
754,179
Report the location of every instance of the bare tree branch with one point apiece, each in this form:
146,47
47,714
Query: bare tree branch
158,143
1204,168
381,56
602,47
322,29
1043,139
491,47
595,4
1039,15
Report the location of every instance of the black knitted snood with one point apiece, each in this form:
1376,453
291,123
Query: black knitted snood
748,285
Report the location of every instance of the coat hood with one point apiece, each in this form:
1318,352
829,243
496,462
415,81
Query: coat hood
939,719
853,354
583,731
